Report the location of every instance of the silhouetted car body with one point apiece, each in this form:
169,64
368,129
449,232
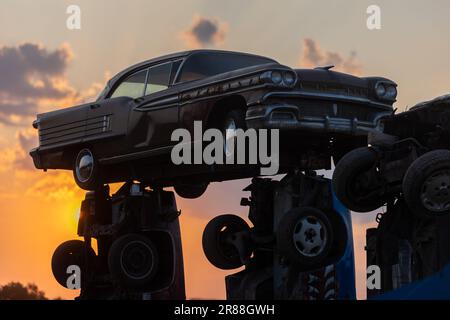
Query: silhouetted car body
410,159
127,130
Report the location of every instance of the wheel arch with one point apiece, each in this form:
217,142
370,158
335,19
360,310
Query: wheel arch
222,106
70,154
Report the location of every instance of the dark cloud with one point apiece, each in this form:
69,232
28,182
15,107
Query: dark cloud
313,55
27,140
30,72
22,109
205,31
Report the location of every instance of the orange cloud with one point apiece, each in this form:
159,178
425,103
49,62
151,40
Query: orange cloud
205,32
313,55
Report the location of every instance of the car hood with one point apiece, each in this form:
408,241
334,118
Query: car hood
330,77
329,81
61,111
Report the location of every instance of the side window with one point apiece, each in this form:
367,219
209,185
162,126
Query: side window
158,78
132,87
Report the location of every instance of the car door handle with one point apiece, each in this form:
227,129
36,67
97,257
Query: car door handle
95,106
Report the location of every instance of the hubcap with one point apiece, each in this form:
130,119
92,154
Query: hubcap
435,194
310,236
230,136
137,260
84,165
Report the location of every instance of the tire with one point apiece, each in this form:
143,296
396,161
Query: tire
426,185
191,191
305,237
133,261
219,253
86,170
66,254
352,184
234,119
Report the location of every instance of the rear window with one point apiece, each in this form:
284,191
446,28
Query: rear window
202,65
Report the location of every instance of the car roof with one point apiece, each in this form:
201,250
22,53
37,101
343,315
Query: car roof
175,56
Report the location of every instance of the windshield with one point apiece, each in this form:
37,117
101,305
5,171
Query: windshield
206,64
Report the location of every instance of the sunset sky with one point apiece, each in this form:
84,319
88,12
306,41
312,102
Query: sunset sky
45,66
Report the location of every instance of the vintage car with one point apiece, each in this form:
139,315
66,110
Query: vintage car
125,134
410,160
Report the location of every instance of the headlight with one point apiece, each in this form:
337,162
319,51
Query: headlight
276,77
391,92
386,91
380,89
289,78
281,78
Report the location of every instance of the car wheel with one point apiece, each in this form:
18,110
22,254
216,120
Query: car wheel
67,254
305,237
426,185
133,261
235,119
216,241
85,170
190,191
356,181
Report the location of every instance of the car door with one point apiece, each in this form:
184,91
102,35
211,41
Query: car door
108,118
154,116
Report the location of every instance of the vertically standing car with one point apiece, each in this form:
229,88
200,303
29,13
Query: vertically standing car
410,159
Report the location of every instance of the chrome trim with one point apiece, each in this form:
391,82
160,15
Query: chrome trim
84,161
264,119
325,96
136,155
228,93
218,79
145,84
175,79
105,123
171,83
159,103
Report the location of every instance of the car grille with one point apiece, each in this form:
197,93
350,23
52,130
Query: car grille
320,109
334,88
74,130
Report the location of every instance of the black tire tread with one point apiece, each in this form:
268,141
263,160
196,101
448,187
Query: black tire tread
59,261
354,160
114,262
416,174
210,241
191,191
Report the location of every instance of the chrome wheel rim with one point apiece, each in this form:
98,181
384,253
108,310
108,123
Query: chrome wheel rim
310,236
435,192
84,165
230,137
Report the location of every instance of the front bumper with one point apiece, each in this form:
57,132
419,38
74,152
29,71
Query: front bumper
288,117
34,153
